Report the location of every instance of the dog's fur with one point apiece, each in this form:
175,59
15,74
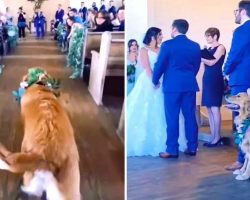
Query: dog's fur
49,154
243,102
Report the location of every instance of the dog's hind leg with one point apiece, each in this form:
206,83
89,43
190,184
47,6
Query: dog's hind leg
242,169
69,179
21,162
246,174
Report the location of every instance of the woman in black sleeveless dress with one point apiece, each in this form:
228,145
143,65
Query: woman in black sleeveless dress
213,84
21,22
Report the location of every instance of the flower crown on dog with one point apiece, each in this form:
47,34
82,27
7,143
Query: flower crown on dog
38,75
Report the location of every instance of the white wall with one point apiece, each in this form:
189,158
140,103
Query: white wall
200,15
2,6
136,20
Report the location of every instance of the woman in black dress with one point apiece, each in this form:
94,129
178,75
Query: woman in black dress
103,22
21,22
213,84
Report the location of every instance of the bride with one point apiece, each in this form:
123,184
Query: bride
146,124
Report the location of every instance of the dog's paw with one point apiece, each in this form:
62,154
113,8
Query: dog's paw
237,172
4,165
35,186
241,177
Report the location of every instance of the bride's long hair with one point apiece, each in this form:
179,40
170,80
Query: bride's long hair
151,32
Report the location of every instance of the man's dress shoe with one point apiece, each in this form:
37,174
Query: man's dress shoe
167,155
190,153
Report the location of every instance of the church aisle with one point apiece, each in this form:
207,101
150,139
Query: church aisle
101,151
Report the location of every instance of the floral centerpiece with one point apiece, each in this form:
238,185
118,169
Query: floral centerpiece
39,76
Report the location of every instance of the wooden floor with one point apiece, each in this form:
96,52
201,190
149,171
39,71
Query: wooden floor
187,178
101,152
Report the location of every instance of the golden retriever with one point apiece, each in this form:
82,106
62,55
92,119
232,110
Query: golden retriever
241,103
49,157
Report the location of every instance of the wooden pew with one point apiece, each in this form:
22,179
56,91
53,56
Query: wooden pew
108,62
121,126
92,42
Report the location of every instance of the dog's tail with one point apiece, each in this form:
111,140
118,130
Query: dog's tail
21,161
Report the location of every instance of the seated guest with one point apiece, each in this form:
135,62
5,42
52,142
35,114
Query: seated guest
103,22
121,17
83,11
90,22
103,7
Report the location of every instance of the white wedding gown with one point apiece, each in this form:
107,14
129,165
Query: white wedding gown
146,124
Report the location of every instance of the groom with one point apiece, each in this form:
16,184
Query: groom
179,61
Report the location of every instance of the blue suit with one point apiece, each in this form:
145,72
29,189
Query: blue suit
179,62
59,17
39,22
84,12
102,8
112,10
237,65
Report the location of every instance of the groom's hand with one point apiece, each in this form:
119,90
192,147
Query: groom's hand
157,86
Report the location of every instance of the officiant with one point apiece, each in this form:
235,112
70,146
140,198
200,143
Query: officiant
213,83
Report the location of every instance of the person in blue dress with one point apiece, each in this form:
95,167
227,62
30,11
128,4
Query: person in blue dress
213,84
131,63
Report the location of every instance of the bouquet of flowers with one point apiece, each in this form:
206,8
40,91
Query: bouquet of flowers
131,73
